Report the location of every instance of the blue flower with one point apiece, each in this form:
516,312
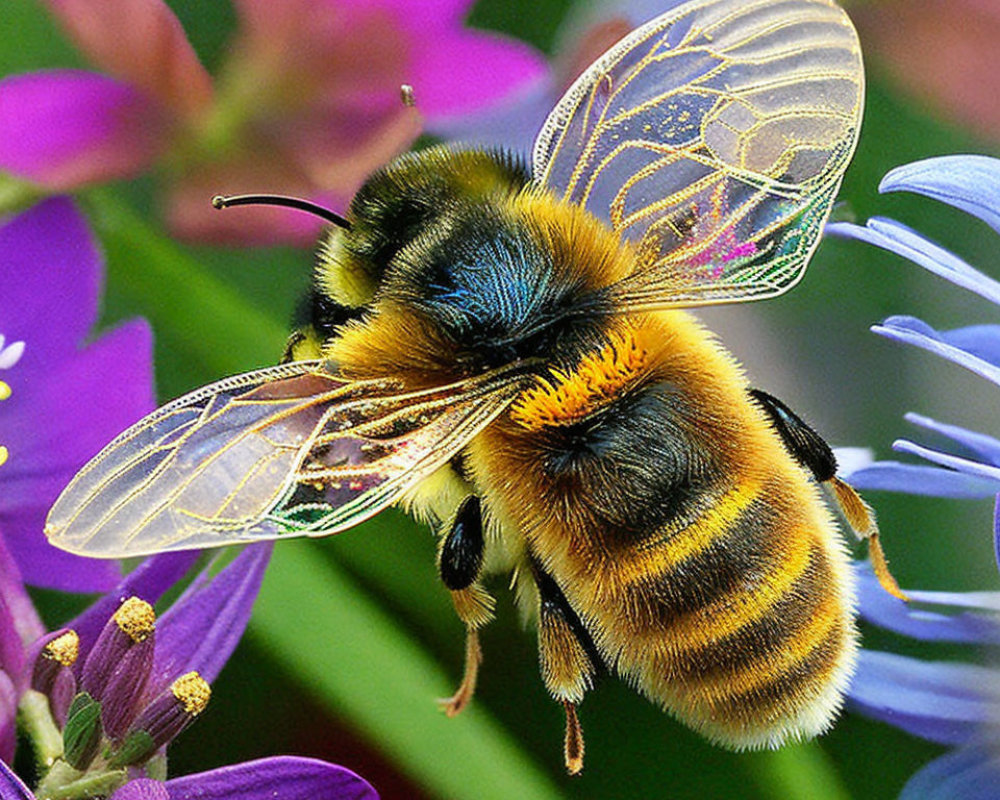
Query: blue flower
947,702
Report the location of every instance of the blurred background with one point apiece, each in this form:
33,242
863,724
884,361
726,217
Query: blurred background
354,637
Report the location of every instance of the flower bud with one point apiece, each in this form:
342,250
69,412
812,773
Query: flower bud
172,711
118,667
51,673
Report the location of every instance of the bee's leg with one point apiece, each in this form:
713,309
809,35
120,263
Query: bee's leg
812,452
568,660
460,561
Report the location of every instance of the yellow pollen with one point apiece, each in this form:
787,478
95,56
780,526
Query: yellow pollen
4,454
4,390
64,649
564,398
192,691
136,619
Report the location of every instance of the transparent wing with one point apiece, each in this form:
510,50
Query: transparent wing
714,138
288,451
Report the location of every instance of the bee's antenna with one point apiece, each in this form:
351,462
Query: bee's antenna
281,200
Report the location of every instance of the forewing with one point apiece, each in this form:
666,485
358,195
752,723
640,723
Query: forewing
714,138
289,451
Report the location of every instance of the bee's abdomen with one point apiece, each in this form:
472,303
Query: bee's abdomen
742,623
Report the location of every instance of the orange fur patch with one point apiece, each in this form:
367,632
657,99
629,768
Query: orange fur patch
597,380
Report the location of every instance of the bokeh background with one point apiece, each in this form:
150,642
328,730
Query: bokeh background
353,637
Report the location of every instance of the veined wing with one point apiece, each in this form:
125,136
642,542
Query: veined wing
714,138
293,450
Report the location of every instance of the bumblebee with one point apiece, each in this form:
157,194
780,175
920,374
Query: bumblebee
504,352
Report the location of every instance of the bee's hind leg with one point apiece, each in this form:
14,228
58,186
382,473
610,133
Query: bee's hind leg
813,453
568,658
460,562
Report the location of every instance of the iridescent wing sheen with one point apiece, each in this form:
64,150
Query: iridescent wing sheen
292,450
714,139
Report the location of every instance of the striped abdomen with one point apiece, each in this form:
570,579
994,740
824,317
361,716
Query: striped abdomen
695,551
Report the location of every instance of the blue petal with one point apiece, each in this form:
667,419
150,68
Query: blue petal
969,773
906,242
921,479
982,445
915,620
944,702
971,183
996,530
911,330
982,341
957,463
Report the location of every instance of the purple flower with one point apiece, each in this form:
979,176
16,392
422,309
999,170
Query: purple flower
947,702
296,86
103,696
62,397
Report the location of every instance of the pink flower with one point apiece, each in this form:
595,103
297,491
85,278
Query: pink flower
307,102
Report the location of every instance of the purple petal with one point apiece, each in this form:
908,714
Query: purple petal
971,183
911,619
458,71
25,619
142,789
11,787
51,433
893,476
911,330
897,238
148,582
969,773
982,341
51,271
285,777
201,630
66,128
940,701
8,723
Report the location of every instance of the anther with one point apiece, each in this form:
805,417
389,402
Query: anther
136,619
192,691
64,649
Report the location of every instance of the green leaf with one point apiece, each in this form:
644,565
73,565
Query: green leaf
315,621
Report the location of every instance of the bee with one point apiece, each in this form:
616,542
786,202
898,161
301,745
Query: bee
505,352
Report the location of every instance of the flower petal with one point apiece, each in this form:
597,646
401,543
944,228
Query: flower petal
11,787
142,42
944,702
51,432
142,789
25,619
66,128
8,727
51,270
893,476
970,773
461,71
904,241
957,463
201,630
913,619
968,182
287,777
148,582
911,330
985,447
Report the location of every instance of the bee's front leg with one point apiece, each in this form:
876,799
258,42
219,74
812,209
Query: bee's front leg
568,659
460,562
812,452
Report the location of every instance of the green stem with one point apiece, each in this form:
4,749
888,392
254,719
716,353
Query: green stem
796,772
100,784
36,720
